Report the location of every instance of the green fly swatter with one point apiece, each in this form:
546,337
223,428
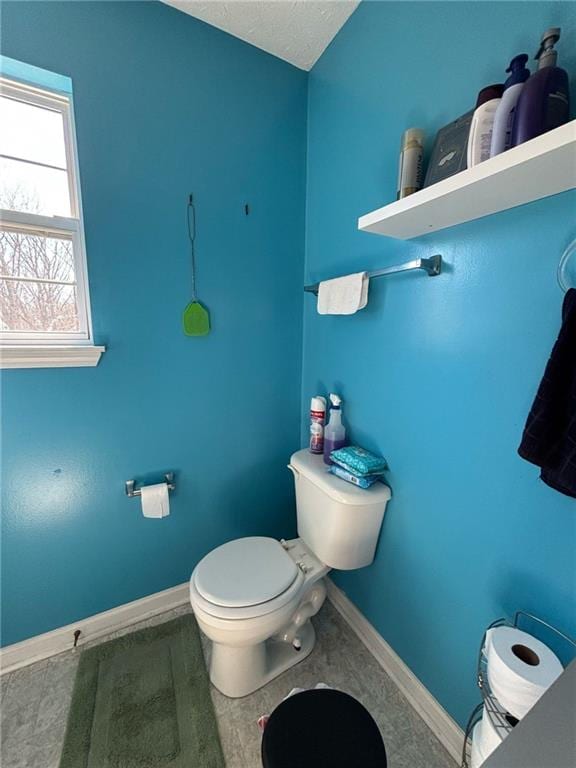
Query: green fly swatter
195,318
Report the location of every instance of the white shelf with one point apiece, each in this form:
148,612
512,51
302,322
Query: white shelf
539,168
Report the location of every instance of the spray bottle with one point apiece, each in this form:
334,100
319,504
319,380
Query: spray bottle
335,432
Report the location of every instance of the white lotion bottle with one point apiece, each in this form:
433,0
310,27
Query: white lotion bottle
504,117
480,137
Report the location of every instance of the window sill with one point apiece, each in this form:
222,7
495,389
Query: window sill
50,357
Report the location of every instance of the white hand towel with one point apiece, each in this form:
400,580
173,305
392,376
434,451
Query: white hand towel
343,295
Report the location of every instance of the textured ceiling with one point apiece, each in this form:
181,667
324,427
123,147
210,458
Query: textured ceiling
297,32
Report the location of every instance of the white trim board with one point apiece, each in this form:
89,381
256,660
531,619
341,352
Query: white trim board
434,715
50,356
62,639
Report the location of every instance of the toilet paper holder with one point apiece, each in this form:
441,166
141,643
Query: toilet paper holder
489,705
131,490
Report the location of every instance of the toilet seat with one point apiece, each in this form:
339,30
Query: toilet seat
245,578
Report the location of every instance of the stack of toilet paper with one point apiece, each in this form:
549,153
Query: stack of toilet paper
486,737
477,755
520,669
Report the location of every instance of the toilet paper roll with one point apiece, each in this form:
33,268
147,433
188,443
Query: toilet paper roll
520,668
489,737
155,502
476,756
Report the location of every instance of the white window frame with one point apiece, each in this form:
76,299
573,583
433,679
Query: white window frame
22,349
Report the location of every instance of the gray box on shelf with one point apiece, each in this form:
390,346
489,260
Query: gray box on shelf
449,152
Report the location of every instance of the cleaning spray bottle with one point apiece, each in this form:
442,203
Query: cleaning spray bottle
335,432
504,117
544,103
317,419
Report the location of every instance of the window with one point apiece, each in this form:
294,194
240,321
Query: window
44,301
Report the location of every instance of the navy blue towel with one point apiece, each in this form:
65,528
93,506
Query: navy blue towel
549,438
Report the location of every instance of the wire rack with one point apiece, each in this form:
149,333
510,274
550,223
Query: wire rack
502,721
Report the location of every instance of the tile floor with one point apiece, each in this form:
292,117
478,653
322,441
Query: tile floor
35,702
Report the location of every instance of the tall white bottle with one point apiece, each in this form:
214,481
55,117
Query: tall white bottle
504,117
480,138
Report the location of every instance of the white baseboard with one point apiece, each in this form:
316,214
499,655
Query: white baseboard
102,624
434,715
62,639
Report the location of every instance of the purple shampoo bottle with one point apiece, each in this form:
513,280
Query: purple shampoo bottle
544,102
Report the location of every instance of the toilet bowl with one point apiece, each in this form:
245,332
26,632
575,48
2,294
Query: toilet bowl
253,597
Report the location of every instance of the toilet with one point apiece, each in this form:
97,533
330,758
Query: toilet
253,597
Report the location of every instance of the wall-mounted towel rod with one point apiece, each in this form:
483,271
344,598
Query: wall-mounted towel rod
432,266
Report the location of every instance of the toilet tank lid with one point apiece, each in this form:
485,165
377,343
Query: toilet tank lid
312,467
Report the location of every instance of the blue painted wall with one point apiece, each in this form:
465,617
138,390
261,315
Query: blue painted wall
439,374
164,105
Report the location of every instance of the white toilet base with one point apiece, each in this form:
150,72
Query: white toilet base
241,670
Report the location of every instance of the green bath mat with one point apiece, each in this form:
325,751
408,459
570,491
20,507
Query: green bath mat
143,701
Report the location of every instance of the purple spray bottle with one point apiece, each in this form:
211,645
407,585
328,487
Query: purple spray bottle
335,431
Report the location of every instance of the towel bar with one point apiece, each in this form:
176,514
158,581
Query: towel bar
432,266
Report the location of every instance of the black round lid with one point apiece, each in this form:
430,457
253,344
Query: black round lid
490,92
322,729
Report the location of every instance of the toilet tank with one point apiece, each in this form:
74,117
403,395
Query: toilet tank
339,522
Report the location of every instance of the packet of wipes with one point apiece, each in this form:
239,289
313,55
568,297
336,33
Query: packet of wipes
361,482
359,461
